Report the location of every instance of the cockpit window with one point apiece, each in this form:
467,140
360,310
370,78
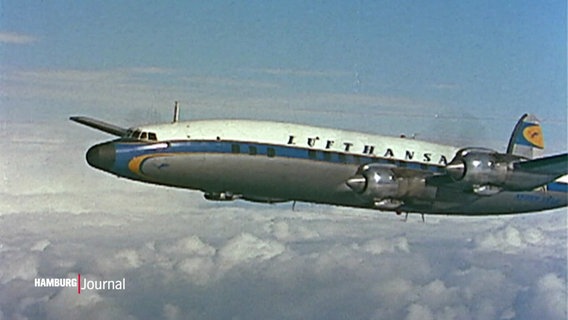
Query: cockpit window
142,135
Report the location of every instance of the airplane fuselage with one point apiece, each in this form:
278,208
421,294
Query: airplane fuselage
274,162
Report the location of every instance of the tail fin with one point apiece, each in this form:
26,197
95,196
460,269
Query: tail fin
527,140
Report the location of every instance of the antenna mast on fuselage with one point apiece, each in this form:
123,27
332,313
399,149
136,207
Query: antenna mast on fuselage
176,112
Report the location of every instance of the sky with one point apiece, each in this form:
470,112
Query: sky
453,72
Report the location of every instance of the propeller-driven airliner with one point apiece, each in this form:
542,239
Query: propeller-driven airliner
270,162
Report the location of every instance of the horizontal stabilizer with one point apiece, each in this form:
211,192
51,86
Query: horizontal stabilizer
100,125
555,165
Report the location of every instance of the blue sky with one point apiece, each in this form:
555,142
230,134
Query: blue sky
457,72
490,61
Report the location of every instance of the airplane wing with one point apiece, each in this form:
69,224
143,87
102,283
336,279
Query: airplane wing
520,175
555,165
100,125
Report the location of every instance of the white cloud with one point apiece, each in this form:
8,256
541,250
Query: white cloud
378,246
16,38
40,245
357,267
549,298
245,248
299,72
17,265
172,312
511,239
137,95
67,304
238,83
199,270
191,246
507,240
151,70
446,86
419,312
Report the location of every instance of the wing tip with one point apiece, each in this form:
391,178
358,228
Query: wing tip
99,125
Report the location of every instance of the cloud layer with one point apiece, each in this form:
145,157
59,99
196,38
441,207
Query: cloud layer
16,38
145,95
271,262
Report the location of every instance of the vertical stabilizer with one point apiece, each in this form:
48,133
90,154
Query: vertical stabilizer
527,140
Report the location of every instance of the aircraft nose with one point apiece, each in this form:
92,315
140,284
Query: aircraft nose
101,156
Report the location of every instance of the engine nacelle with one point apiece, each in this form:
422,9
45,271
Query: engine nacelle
380,184
485,170
478,166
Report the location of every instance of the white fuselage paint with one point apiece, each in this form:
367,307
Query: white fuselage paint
324,139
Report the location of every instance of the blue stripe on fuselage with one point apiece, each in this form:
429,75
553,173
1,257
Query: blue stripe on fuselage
126,150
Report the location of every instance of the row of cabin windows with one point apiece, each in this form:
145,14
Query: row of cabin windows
253,150
328,156
353,158
142,135
312,154
341,157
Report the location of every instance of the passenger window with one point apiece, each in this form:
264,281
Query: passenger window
312,154
341,157
235,148
144,135
252,150
327,156
136,134
270,152
152,136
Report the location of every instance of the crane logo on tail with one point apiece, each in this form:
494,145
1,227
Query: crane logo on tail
533,135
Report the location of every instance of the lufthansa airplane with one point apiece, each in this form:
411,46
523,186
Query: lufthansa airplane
271,162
